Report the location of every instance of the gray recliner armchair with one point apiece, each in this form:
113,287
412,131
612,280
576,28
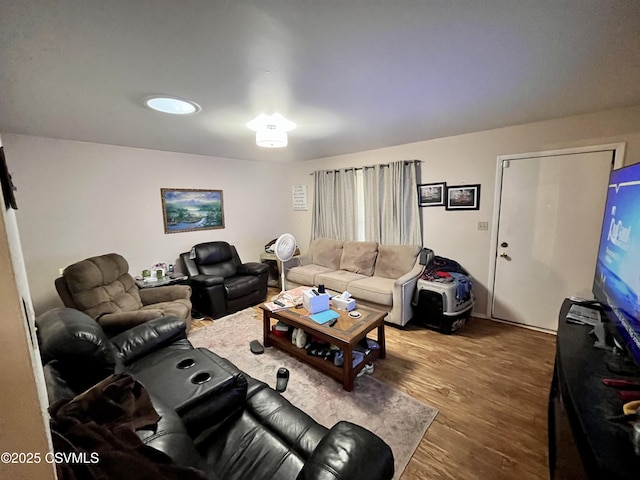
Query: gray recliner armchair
102,288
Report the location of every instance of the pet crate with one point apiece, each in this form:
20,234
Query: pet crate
437,307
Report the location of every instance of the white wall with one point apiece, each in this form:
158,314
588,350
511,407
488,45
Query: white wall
81,199
469,159
77,199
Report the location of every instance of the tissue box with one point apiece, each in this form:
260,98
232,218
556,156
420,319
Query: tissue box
315,303
342,304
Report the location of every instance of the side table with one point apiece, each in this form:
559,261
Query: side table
274,268
161,282
174,279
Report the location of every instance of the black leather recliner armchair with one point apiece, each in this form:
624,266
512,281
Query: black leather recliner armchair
232,427
220,282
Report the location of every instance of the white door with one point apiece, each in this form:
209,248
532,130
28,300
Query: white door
549,222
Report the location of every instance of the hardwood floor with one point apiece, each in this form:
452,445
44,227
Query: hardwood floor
490,382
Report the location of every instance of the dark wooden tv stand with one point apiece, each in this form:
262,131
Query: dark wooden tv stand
583,443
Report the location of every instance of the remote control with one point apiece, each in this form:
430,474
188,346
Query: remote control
278,302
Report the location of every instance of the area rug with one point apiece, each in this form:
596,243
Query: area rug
397,418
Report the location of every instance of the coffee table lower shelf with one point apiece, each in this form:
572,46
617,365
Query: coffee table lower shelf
325,366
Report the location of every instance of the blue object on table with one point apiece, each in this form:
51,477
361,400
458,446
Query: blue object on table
324,317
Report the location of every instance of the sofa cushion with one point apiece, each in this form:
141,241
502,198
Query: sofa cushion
339,280
359,257
373,289
246,449
270,429
306,274
291,424
326,252
102,285
178,308
395,260
241,286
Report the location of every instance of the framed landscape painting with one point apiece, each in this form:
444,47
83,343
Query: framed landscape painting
432,194
189,210
463,197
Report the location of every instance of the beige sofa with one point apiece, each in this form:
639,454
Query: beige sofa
380,276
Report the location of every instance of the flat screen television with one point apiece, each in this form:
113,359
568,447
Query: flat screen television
616,283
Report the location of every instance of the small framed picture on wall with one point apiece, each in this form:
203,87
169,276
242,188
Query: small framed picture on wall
463,197
432,194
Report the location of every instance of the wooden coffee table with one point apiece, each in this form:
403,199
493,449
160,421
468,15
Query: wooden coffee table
345,334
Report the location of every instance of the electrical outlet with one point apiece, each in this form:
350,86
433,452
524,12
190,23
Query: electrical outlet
483,225
60,270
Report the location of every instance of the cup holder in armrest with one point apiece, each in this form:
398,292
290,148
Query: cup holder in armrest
186,363
200,378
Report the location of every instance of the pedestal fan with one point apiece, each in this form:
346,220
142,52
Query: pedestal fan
285,249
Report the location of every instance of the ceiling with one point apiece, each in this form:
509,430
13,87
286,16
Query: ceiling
353,75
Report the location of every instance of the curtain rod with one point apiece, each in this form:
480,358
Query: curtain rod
367,166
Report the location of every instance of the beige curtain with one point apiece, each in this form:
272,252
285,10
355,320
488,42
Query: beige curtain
391,214
335,205
391,204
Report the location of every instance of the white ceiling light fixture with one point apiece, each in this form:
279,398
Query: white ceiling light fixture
271,137
171,105
271,130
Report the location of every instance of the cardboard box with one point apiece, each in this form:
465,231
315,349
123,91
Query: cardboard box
315,303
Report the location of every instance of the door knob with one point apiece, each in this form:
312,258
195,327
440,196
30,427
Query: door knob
504,255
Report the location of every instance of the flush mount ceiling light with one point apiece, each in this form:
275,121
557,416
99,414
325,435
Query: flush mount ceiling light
172,105
271,130
271,137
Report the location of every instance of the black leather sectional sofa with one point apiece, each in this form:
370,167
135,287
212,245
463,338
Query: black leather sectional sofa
216,420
